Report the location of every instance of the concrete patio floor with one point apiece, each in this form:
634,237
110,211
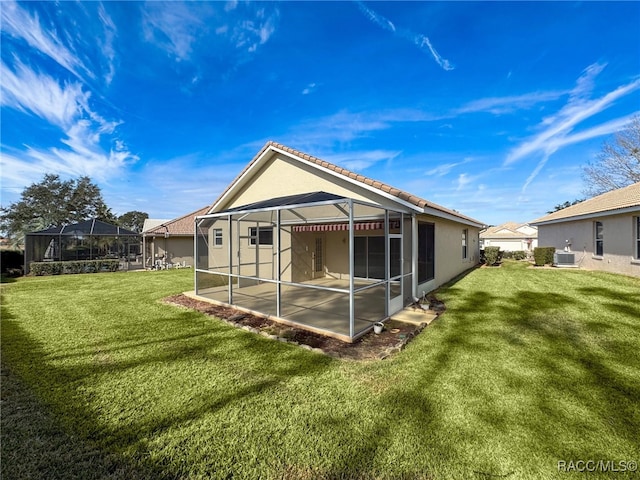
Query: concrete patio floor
323,311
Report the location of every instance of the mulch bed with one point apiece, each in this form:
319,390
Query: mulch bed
368,347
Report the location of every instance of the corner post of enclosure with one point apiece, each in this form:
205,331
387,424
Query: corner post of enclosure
195,253
387,263
414,255
278,279
230,254
352,310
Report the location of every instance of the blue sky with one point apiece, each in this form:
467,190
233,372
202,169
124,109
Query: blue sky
489,108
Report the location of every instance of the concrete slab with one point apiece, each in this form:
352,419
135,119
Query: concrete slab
411,315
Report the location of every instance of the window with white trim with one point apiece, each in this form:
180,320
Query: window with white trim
217,237
637,237
599,238
261,235
465,242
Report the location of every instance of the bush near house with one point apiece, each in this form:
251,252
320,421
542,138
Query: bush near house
515,255
492,255
11,262
543,256
80,266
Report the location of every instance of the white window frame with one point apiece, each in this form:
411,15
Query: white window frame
636,243
465,243
597,240
256,236
218,235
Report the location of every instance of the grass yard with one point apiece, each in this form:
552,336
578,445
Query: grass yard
526,368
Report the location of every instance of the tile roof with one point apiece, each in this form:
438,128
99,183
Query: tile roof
511,231
607,203
407,197
183,225
150,223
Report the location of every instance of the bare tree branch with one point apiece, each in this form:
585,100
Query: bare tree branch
618,163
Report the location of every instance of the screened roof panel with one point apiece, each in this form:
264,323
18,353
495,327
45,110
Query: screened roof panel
88,227
299,199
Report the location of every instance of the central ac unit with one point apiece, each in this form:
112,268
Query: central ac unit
564,259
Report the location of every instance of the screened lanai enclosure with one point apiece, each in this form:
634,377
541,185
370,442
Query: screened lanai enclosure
330,264
88,240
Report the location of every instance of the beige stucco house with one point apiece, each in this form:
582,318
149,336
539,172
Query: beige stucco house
306,242
603,231
510,237
169,243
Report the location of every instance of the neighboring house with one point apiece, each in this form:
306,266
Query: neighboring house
604,231
304,241
150,223
169,242
510,237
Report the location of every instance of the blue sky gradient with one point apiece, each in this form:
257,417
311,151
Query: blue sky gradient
489,108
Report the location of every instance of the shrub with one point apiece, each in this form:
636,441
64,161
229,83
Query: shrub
492,255
543,255
519,255
79,266
11,261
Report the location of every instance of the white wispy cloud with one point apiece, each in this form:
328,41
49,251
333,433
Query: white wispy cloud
360,160
41,95
19,23
419,40
445,168
509,104
556,131
184,29
249,34
108,50
67,107
173,26
383,22
555,144
309,89
576,110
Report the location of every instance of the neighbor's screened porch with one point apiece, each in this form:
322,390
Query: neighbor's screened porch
328,263
87,240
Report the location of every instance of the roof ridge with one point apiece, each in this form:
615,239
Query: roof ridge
176,220
384,187
623,197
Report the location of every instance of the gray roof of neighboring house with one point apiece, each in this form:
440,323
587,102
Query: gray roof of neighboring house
621,200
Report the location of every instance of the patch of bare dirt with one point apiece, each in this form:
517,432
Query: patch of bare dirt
370,346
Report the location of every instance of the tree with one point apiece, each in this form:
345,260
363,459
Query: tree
53,202
618,163
564,205
133,220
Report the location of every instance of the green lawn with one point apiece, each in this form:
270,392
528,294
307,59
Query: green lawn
526,368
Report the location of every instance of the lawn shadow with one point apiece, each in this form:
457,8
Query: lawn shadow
59,389
541,375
